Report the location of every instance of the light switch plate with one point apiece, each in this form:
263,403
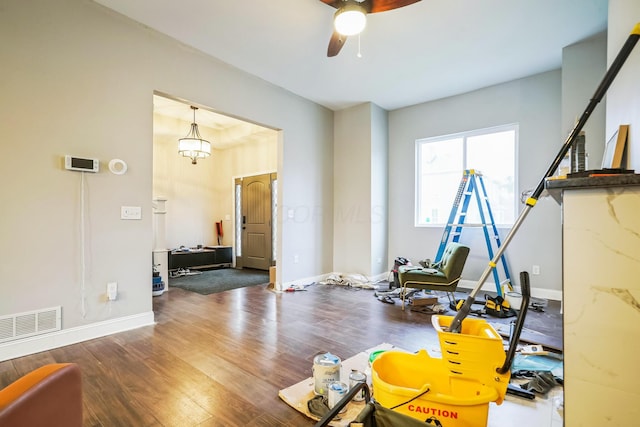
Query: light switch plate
130,212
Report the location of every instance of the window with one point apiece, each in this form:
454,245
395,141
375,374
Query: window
441,161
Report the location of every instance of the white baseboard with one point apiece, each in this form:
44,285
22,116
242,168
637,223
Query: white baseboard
38,343
550,294
301,282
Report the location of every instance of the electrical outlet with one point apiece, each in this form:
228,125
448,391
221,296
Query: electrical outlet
112,291
535,270
296,259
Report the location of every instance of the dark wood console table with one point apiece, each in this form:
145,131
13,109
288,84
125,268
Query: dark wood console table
208,256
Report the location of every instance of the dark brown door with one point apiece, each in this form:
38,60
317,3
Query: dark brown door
256,222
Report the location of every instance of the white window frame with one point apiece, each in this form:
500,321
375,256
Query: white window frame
464,136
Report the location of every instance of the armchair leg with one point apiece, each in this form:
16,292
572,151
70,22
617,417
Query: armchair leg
452,298
404,293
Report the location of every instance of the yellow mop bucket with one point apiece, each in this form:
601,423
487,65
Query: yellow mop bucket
477,352
452,391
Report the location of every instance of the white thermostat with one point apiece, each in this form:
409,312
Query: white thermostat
79,164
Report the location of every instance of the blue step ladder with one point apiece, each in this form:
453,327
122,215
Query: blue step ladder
473,185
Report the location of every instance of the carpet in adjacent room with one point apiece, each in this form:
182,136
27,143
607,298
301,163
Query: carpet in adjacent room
219,280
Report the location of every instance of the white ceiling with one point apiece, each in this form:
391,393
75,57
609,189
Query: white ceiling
425,51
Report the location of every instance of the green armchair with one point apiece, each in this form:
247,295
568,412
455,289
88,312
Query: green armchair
442,276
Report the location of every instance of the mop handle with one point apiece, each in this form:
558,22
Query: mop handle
515,334
608,78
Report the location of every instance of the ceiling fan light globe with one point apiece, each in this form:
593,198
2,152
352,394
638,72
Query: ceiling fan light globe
350,20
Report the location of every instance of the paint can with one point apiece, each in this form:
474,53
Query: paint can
337,391
326,370
356,377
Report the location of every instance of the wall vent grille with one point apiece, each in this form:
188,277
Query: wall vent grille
30,323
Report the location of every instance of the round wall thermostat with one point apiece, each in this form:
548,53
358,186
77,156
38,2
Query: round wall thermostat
117,167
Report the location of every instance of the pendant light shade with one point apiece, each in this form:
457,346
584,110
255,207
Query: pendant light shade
192,145
350,19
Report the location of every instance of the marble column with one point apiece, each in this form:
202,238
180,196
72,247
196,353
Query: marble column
601,294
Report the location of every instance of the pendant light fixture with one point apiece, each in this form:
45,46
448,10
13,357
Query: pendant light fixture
192,145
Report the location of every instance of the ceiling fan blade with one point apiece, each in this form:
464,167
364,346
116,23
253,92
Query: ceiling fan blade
333,3
335,44
366,4
374,6
384,5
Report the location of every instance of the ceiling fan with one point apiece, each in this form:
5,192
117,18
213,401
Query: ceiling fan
350,18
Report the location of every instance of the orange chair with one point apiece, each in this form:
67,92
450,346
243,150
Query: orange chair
50,396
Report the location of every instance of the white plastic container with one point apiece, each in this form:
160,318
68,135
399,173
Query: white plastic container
514,299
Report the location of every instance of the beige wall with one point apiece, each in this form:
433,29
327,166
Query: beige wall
360,190
352,203
361,141
379,190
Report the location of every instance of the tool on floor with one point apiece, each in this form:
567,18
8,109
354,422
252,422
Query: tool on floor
533,349
535,306
608,78
516,390
472,186
540,382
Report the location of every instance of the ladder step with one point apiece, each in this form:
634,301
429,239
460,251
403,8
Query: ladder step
467,225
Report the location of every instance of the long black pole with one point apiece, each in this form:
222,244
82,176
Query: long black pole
608,78
515,335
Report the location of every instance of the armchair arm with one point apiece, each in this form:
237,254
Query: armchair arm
49,396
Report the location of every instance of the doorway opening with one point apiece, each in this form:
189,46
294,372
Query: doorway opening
199,199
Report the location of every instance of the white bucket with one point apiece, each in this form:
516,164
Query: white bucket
514,299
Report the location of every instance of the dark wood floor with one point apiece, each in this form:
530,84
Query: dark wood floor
220,359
